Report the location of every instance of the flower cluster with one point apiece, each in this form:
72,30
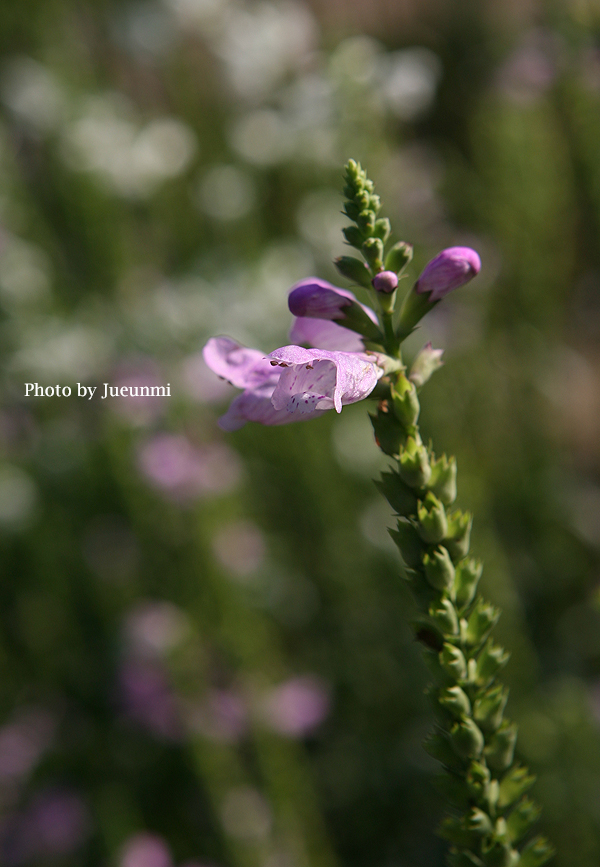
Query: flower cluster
352,351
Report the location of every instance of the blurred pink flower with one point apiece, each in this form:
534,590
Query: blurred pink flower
23,741
152,628
55,823
147,698
222,716
184,472
296,707
145,850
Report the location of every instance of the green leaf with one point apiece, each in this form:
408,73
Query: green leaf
513,785
536,853
524,815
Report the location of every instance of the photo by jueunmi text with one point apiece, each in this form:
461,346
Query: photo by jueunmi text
33,389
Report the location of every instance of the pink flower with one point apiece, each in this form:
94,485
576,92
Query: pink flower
447,271
318,306
296,707
290,384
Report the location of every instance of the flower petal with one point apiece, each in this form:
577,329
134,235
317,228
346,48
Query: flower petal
333,379
242,367
324,334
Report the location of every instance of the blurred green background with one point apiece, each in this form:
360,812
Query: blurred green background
205,659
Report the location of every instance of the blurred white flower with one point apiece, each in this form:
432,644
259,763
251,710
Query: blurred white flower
153,628
263,41
262,137
133,160
56,349
226,193
409,80
33,93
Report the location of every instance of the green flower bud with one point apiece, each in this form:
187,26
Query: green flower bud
432,519
351,210
443,614
456,701
489,662
373,252
524,815
414,464
354,270
366,222
398,257
479,822
453,661
481,621
489,708
405,402
439,569
500,854
425,364
536,853
500,751
401,498
467,578
467,739
382,228
443,479
409,543
353,236
458,538
363,200
514,784
374,201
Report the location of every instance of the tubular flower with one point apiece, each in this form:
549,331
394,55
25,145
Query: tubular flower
448,270
291,384
319,306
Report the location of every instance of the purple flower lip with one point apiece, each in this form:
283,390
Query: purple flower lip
318,299
450,269
385,282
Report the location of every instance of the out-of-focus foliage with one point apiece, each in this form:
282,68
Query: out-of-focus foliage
204,655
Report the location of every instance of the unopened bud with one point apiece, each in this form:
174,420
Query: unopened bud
405,402
414,464
459,534
453,661
444,617
373,252
467,739
479,822
455,700
481,620
443,479
489,662
353,269
447,271
468,574
385,282
382,227
398,257
353,236
439,569
501,748
488,709
426,362
432,519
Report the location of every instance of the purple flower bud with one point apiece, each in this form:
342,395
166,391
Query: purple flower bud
385,282
447,271
318,300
